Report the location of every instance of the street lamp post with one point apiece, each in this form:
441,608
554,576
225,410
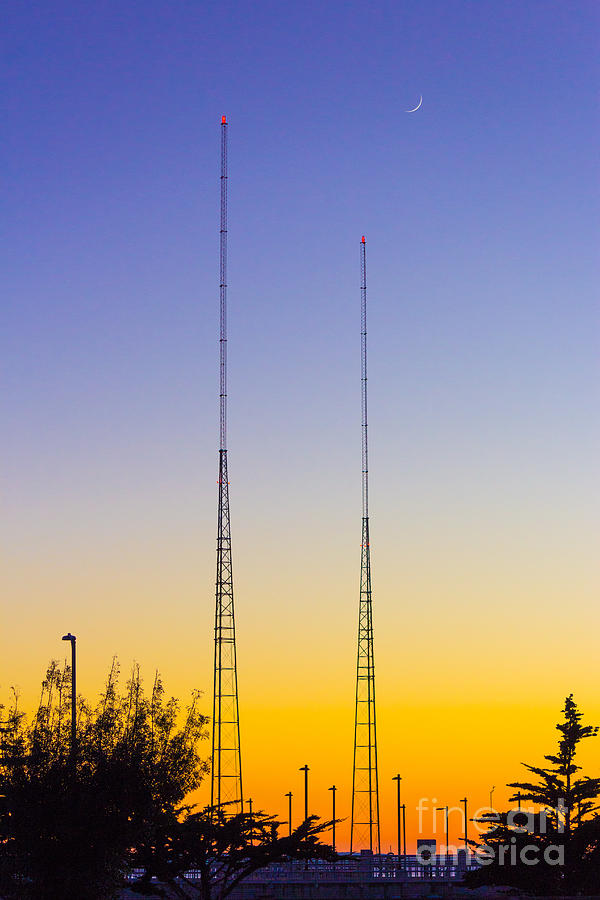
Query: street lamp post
289,795
439,809
491,794
333,789
464,800
71,637
306,770
398,779
251,821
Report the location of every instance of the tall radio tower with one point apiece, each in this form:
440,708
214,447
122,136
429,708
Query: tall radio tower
226,769
364,831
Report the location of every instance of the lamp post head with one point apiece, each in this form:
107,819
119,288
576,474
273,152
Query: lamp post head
397,778
69,637
303,769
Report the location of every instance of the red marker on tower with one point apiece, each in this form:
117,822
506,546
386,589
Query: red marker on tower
362,240
223,120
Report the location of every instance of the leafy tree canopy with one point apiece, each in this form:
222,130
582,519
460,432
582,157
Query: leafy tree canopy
67,825
74,825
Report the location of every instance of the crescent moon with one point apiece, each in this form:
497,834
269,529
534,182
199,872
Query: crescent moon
416,107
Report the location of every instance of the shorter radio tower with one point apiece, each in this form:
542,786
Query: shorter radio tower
226,763
364,829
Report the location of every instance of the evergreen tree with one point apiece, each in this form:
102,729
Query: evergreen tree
222,850
555,845
565,799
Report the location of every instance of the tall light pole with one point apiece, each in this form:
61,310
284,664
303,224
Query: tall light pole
71,637
439,809
289,795
251,820
398,779
404,829
333,789
491,793
306,770
464,800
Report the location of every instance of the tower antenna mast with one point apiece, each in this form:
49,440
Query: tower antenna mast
364,829
226,768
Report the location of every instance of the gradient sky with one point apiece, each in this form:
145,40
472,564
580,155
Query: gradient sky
481,214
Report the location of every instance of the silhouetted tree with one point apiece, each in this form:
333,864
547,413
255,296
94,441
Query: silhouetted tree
557,846
564,799
223,850
67,829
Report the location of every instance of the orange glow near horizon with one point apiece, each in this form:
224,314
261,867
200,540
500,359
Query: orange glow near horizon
450,729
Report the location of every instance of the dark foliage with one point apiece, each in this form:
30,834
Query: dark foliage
223,850
553,845
67,826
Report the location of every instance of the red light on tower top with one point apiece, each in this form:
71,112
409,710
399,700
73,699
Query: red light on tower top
362,240
223,120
